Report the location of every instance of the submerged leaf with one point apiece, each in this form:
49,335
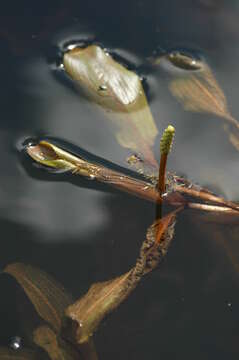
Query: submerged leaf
232,136
48,297
102,298
56,348
200,92
9,354
119,92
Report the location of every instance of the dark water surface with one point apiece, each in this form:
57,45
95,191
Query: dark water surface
82,232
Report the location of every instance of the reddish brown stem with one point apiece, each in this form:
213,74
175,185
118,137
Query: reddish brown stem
162,173
212,208
203,195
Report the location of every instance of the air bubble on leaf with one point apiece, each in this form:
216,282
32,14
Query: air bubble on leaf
103,88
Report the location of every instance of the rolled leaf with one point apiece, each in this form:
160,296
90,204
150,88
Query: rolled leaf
119,92
48,297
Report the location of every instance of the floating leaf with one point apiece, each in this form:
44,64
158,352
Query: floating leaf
102,298
8,354
56,348
48,297
200,92
184,61
181,60
119,92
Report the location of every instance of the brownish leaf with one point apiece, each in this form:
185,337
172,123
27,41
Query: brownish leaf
102,298
56,348
233,136
200,92
48,297
119,92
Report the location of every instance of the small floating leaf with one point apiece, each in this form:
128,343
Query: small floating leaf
114,88
56,348
102,298
184,61
48,297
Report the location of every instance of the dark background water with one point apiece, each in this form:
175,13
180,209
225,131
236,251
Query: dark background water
81,232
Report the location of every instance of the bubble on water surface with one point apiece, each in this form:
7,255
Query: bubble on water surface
16,343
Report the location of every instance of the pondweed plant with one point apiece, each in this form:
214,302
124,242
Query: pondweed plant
68,324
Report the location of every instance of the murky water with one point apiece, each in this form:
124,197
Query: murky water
81,231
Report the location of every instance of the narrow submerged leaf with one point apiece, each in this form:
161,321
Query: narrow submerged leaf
48,297
200,92
56,348
9,354
233,136
102,298
119,92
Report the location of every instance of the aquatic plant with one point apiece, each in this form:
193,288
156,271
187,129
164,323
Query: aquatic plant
67,324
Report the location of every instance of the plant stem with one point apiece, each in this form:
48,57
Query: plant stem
206,196
162,173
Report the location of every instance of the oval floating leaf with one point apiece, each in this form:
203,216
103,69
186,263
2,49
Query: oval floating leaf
119,92
48,297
